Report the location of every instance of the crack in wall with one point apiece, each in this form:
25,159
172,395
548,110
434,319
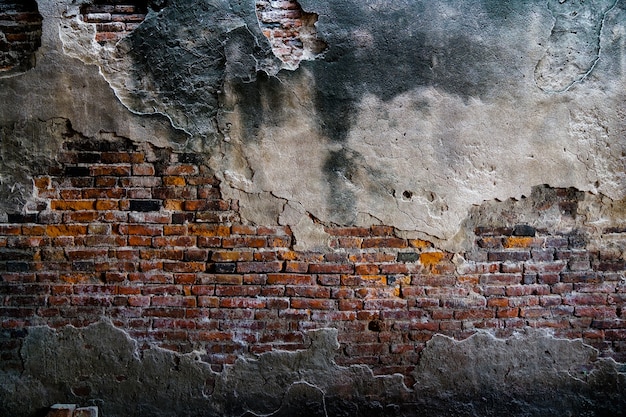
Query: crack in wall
574,44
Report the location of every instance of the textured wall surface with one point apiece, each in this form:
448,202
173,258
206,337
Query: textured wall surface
324,208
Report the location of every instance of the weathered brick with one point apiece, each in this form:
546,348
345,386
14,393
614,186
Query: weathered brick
508,255
500,279
237,302
493,231
329,268
142,230
384,242
73,205
183,169
244,242
143,169
209,230
313,304
307,291
585,299
521,242
65,230
578,276
596,312
534,312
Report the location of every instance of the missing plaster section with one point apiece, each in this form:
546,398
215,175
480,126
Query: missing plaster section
115,19
290,30
20,36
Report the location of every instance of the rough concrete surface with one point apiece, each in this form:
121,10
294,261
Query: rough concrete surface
529,374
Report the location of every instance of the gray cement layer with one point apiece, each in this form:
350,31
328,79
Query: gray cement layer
530,373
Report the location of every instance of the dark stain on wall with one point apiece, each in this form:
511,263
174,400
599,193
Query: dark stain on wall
389,51
179,60
386,52
262,102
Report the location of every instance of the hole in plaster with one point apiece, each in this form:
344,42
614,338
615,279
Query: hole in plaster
407,194
115,19
20,36
290,30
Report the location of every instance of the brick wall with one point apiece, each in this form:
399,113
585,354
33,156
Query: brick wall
20,35
290,30
114,19
143,236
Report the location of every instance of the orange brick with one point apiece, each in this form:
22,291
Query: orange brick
378,230
241,229
498,302
65,230
231,256
367,269
431,258
518,242
174,205
288,255
73,205
174,181
418,243
209,230
75,277
139,241
176,230
110,170
107,204
42,183
373,279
